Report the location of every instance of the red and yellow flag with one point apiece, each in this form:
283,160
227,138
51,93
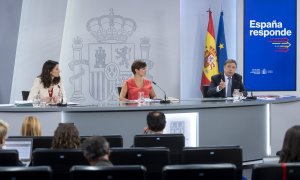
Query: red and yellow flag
210,65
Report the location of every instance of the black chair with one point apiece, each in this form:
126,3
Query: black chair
205,90
9,157
25,95
24,173
154,159
114,140
119,91
213,155
175,142
60,160
200,171
276,171
132,172
38,141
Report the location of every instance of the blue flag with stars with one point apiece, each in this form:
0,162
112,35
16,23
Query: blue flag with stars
221,44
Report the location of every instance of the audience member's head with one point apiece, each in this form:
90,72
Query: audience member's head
290,151
96,150
66,136
3,132
156,122
31,126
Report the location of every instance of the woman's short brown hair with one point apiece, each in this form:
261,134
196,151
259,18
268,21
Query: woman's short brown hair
137,64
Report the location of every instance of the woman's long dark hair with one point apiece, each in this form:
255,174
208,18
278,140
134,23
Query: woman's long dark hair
290,151
45,76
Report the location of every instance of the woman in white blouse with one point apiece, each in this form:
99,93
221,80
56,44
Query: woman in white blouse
49,85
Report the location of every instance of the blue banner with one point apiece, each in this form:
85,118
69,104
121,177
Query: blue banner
270,29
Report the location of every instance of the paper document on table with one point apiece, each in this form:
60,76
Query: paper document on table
72,103
173,99
130,101
7,105
23,103
267,97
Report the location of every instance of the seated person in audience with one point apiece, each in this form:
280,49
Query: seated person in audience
290,151
96,150
220,85
137,83
66,136
156,123
31,126
48,84
3,132
3,136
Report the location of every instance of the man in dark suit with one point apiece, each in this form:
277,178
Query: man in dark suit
223,84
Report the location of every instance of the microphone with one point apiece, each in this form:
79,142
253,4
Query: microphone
61,103
251,97
163,101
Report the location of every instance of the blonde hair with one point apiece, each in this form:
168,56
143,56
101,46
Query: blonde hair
31,126
3,128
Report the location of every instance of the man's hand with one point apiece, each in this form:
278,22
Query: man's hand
222,85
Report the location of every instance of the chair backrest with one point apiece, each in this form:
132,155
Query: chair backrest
217,154
200,171
22,173
204,91
60,160
25,95
278,171
132,172
9,157
114,140
119,91
154,159
175,142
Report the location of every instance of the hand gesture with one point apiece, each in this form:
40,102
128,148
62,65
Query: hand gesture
222,85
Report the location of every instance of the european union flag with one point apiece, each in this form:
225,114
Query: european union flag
221,44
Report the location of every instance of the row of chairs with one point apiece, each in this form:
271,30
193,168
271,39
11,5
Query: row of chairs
153,158
289,171
175,142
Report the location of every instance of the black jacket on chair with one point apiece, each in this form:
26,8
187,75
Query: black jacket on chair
237,83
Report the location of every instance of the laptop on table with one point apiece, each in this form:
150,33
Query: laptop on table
22,145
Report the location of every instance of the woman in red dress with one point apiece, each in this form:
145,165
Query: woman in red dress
137,83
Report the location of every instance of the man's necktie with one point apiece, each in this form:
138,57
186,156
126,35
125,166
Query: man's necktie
229,87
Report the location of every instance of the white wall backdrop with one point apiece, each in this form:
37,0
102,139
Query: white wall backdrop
102,38
194,21
169,35
96,41
40,36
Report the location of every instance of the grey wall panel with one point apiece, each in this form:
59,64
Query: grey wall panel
10,12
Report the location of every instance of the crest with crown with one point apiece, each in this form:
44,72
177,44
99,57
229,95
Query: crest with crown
111,28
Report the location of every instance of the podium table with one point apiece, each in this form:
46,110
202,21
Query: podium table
258,126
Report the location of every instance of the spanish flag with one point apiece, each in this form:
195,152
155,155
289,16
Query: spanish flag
210,65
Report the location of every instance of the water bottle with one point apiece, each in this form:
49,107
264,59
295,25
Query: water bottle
60,97
37,100
236,95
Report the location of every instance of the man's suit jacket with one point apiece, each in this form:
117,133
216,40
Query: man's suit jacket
237,83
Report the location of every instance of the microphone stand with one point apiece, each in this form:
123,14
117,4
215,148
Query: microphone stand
163,101
61,103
